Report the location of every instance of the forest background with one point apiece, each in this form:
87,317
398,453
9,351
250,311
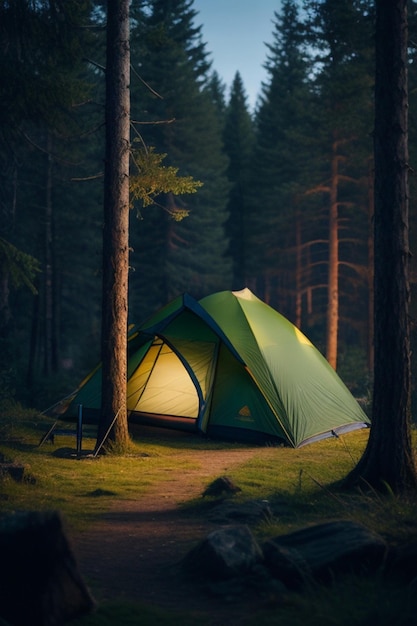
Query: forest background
286,206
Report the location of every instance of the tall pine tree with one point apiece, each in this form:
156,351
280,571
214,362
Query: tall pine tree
238,144
340,36
178,118
281,160
388,461
41,72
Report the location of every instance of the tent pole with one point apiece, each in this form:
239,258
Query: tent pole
79,429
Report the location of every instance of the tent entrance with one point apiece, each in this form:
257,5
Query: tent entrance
165,388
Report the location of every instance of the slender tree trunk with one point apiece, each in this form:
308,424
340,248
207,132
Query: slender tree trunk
298,272
33,352
267,288
388,458
116,229
333,273
50,363
5,314
371,262
309,301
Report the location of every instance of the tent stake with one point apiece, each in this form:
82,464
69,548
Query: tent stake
79,429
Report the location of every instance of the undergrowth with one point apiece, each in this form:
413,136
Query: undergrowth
300,485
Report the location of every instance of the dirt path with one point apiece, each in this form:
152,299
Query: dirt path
134,551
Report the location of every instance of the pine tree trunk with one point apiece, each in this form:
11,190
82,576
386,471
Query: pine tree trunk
388,458
50,351
333,272
298,272
113,419
4,300
371,262
33,351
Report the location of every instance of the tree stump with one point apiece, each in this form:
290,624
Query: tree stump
40,583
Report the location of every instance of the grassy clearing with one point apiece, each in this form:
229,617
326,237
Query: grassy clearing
57,479
300,484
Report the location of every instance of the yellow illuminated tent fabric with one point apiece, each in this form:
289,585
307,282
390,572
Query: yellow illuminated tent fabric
231,367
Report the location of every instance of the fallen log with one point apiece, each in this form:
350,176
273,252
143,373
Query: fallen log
322,552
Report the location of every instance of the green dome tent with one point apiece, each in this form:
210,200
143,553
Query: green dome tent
233,368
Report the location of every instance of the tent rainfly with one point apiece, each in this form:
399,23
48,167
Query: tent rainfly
232,367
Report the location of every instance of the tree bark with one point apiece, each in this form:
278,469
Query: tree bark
113,421
50,346
371,264
388,459
333,272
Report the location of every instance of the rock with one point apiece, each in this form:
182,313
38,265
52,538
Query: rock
220,486
10,469
224,554
402,562
287,565
97,493
13,470
253,511
40,583
323,552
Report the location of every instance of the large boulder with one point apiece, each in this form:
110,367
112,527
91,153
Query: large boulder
40,583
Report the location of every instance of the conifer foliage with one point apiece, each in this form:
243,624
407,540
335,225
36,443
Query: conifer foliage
238,135
282,162
285,204
179,118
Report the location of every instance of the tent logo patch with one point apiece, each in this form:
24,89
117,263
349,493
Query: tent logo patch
245,414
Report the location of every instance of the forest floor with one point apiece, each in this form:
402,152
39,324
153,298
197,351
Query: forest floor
134,552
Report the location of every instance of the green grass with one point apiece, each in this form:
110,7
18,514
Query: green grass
301,485
57,479
354,602
128,614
